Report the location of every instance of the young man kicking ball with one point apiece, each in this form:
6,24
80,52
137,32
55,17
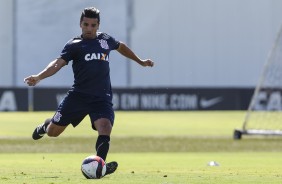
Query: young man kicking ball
91,93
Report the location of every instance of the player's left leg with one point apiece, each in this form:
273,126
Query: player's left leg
111,167
102,119
104,128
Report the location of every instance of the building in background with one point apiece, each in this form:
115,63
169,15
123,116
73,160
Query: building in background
196,44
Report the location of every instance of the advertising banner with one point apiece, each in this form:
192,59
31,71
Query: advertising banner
138,99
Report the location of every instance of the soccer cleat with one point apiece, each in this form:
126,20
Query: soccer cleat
111,167
39,131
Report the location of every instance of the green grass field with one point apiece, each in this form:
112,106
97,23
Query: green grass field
151,147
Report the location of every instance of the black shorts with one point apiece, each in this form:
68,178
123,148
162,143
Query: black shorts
75,106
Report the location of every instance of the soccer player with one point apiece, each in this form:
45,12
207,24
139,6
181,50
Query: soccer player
91,93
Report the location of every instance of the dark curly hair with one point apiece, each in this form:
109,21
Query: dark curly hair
90,12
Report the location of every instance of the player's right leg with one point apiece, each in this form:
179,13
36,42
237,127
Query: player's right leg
48,127
41,130
70,111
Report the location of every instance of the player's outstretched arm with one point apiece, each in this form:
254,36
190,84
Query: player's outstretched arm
127,52
52,68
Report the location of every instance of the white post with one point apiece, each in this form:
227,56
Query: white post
129,27
6,36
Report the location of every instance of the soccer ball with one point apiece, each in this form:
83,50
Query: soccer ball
93,167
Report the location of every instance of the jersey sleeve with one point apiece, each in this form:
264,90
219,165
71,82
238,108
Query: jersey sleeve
67,52
112,42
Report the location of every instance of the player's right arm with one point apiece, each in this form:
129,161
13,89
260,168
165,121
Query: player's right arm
52,68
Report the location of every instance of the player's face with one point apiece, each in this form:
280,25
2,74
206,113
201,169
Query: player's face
89,27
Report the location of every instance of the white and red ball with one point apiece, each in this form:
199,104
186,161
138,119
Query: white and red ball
93,167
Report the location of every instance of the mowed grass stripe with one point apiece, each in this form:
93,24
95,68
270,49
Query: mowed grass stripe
204,131
151,123
145,168
151,147
140,144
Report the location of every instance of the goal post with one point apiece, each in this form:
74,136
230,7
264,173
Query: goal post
264,114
